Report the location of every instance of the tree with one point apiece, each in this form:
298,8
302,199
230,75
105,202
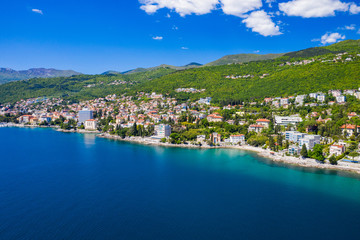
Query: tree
304,152
333,160
354,155
317,153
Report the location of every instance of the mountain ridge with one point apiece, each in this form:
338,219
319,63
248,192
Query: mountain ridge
9,74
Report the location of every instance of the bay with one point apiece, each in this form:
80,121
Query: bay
57,185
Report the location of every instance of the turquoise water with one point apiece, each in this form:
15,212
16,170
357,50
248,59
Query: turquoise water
75,186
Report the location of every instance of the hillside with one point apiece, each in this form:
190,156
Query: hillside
242,58
233,83
188,66
8,74
348,45
77,87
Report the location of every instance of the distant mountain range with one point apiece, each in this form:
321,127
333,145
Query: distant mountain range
187,66
8,74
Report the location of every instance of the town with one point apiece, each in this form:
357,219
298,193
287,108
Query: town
322,126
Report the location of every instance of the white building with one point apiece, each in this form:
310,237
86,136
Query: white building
284,121
162,130
341,99
90,124
336,150
321,98
310,141
237,139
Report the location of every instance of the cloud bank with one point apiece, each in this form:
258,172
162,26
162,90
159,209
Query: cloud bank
252,12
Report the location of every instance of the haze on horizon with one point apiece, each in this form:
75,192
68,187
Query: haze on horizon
96,36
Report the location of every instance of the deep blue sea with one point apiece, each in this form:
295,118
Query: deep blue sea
75,186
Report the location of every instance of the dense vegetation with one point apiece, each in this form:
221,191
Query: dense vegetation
80,87
243,58
280,79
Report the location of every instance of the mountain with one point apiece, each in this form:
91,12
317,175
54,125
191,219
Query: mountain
243,58
8,74
299,72
187,66
111,72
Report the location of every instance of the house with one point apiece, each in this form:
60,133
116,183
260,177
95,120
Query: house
91,124
340,99
214,118
215,138
321,98
235,139
352,114
256,128
162,130
337,150
349,129
200,138
264,122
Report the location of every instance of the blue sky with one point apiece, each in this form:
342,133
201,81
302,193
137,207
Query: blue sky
95,36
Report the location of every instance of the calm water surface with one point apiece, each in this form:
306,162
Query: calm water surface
75,186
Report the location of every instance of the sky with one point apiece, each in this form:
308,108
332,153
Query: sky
95,36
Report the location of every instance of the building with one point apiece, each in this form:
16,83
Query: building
200,138
294,150
85,114
310,141
91,124
25,118
205,101
256,128
162,130
294,136
349,129
340,99
215,138
214,118
321,98
236,139
264,122
284,121
336,150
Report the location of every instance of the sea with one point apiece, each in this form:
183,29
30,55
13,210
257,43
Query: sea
56,185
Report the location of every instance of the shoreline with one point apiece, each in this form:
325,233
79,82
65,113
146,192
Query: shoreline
276,157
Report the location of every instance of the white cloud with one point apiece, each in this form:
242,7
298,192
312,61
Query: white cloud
157,38
239,8
269,2
175,28
184,48
37,11
260,22
257,51
182,7
331,38
350,27
354,9
313,8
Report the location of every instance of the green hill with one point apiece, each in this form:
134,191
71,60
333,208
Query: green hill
243,58
232,83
